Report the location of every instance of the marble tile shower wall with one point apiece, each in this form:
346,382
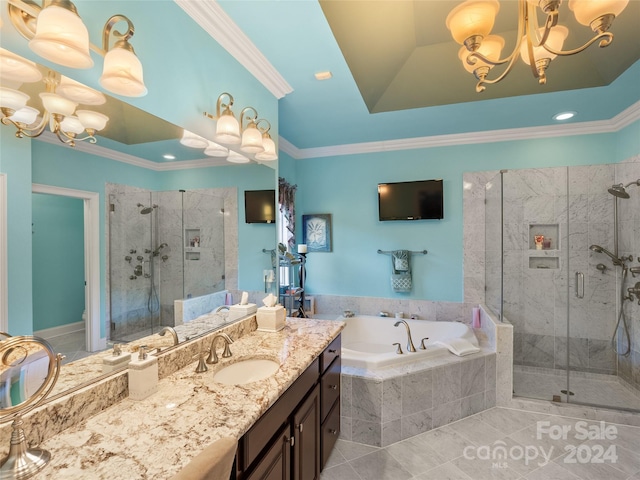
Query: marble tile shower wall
629,244
128,230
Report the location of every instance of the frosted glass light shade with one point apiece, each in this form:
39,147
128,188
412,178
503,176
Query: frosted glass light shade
269,149
17,69
61,37
251,140
92,120
556,38
12,99
235,157
79,93
190,139
473,17
72,124
26,115
586,11
55,103
122,73
490,47
215,150
227,130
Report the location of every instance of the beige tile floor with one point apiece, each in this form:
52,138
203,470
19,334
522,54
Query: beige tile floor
538,447
72,346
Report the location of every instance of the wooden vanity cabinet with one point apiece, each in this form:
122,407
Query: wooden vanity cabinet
292,440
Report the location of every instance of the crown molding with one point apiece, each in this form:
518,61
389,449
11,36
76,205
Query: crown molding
620,121
97,150
215,21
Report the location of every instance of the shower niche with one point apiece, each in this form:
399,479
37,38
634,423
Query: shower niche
544,253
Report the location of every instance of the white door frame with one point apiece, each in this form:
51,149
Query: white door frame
91,259
4,292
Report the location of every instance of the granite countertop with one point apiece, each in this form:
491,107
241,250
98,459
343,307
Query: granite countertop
156,437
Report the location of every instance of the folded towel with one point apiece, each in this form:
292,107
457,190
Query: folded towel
213,463
401,282
458,346
401,260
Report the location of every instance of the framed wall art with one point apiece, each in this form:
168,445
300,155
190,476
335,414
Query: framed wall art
316,232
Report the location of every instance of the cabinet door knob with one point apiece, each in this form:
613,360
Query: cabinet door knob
300,426
291,440
333,387
333,432
332,350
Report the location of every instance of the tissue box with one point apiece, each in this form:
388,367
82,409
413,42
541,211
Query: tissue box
239,311
271,319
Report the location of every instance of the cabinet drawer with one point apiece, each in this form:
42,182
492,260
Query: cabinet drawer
330,388
257,438
329,433
330,353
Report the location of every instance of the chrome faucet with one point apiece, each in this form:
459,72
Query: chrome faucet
410,347
171,331
213,356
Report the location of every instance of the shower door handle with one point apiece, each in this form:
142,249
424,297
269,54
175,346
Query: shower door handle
579,285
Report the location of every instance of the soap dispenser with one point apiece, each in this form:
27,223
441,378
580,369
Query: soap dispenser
143,375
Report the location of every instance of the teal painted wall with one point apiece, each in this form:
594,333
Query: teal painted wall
15,161
346,187
58,260
184,74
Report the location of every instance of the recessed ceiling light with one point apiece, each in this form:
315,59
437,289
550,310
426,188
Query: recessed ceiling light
168,156
563,116
323,75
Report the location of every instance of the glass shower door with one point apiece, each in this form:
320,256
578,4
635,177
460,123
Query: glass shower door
133,298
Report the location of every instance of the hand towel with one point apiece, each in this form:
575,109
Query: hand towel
401,271
213,463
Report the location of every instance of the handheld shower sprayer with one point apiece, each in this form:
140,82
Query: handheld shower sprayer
599,249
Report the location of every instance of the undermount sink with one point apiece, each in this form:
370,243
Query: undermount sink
246,371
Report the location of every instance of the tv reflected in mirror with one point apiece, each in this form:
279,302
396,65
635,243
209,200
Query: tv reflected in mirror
416,200
260,206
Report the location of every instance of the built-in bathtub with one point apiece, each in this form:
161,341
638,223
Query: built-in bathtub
368,341
388,397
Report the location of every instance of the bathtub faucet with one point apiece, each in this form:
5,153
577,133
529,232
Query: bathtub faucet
410,347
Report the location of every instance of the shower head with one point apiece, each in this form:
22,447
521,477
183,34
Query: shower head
618,191
146,210
599,249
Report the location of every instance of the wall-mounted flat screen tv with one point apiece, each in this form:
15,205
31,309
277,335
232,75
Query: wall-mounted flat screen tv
417,200
260,206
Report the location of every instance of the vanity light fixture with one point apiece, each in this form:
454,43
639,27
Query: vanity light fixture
471,22
227,127
56,32
235,157
269,153
190,139
215,150
251,133
58,113
251,136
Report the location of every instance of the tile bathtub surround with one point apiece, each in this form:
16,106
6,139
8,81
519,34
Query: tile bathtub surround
156,437
452,451
391,404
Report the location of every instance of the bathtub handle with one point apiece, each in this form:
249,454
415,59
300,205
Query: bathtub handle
399,349
422,345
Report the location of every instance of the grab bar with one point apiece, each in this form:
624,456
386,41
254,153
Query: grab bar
579,285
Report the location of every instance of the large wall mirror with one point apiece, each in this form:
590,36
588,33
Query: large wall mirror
170,222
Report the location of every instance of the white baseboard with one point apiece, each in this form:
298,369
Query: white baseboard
60,330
